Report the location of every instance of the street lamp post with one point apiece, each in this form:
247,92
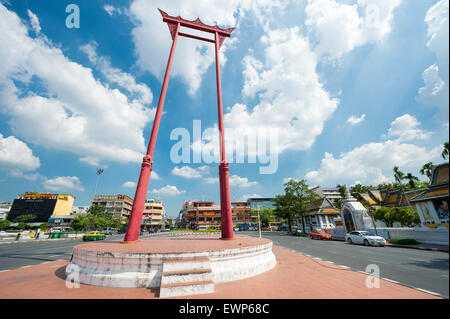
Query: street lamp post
259,222
99,172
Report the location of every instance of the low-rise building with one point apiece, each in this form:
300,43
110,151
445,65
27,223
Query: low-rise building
118,205
41,205
5,207
201,215
263,205
432,203
153,216
242,215
330,193
321,214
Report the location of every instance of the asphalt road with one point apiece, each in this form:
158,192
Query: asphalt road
23,254
427,270
420,269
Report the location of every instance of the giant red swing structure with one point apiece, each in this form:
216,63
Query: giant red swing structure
174,24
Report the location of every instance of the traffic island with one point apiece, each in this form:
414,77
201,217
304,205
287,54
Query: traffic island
178,266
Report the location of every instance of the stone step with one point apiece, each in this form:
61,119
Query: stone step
182,276
186,288
186,264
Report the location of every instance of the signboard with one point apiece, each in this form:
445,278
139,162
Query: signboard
41,196
441,207
209,214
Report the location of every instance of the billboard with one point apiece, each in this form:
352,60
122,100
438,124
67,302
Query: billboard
441,207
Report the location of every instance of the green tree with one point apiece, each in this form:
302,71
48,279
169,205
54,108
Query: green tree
29,218
426,169
265,219
445,151
342,189
79,223
286,206
384,215
297,197
4,224
411,180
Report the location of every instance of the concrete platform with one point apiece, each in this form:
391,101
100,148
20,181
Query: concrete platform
179,266
294,277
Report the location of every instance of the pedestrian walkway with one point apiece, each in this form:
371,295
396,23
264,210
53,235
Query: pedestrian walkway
295,276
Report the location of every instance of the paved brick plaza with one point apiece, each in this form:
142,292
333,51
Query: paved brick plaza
294,277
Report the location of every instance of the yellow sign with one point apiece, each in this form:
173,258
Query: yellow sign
38,196
209,214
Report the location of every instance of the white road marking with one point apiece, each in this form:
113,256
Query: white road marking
376,261
25,266
429,292
4,270
344,266
387,279
446,276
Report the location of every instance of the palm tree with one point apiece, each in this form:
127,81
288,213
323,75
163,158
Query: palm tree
399,176
445,152
411,178
426,169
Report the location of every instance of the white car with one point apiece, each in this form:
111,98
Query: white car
365,238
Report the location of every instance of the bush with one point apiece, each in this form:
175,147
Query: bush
403,241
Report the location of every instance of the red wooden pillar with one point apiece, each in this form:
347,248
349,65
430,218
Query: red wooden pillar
134,225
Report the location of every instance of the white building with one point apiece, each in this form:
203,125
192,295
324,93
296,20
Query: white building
5,207
330,193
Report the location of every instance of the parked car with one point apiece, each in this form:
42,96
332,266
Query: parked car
365,238
282,228
319,234
94,235
107,231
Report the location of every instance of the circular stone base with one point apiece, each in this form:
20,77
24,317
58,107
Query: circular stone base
144,264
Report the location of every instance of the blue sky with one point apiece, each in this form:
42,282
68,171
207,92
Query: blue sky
349,88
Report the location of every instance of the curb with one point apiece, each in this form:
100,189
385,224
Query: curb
419,247
34,240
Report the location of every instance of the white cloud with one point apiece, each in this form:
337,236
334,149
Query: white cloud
372,163
83,116
404,128
337,28
16,155
139,92
287,179
34,20
245,197
192,58
189,172
436,77
168,190
211,180
353,120
63,183
111,10
154,176
243,182
129,184
296,103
